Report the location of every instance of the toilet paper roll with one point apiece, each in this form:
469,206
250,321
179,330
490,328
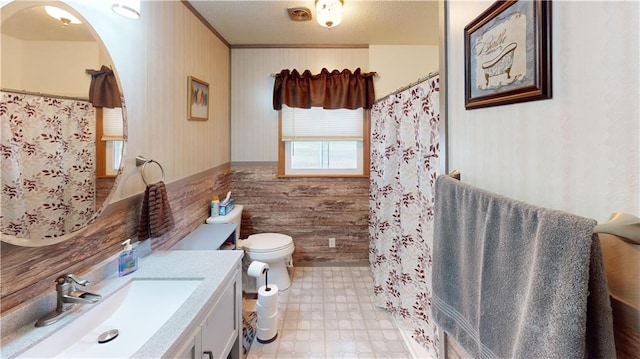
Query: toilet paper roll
266,310
268,298
267,320
257,269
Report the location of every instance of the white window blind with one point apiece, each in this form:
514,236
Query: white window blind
318,124
112,124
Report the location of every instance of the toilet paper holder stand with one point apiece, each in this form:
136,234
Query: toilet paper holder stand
265,272
267,321
266,278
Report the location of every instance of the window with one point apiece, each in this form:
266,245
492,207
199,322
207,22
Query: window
109,141
319,142
114,156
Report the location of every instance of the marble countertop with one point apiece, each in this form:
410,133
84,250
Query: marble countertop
212,267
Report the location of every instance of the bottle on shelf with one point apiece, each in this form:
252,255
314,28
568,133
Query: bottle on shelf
215,206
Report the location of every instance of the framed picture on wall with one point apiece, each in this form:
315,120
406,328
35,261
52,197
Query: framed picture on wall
198,102
507,53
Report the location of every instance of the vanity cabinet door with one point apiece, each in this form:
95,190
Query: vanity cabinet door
220,331
219,335
192,348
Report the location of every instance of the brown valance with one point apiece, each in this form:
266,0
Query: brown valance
103,91
329,90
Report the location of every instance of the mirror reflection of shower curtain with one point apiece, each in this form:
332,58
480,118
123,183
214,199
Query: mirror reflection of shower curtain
48,165
404,165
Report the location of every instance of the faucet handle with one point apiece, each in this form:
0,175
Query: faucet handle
69,278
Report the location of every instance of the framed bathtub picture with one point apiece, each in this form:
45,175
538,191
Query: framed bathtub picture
507,53
198,108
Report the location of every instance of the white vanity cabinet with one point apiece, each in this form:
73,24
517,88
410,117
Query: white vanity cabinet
219,335
207,321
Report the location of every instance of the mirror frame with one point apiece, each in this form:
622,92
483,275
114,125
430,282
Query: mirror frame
8,9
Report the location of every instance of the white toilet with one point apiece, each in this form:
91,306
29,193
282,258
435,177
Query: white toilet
275,249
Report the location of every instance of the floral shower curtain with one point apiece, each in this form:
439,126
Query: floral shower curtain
48,165
404,165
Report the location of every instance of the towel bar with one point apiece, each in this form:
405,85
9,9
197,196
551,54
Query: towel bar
623,225
455,174
142,161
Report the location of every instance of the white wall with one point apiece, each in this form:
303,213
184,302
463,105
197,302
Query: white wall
153,57
10,70
577,152
254,123
399,65
58,67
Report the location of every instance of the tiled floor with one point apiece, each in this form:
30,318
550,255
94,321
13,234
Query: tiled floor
327,313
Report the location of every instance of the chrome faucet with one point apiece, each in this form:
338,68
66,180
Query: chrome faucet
68,296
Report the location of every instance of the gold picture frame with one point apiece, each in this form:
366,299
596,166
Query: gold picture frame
198,99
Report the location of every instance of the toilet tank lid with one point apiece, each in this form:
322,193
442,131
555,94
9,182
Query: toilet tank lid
267,241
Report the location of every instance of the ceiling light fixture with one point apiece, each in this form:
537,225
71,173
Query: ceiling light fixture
61,15
329,12
127,8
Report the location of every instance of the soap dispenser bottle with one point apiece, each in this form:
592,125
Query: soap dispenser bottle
128,259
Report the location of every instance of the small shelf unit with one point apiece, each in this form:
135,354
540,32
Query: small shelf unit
218,236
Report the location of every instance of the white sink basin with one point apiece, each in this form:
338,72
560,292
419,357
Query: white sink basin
136,310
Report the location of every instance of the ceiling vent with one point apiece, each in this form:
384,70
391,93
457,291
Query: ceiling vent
299,13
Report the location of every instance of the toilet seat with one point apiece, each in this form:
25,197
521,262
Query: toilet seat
266,242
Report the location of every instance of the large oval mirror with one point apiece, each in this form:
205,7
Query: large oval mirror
61,153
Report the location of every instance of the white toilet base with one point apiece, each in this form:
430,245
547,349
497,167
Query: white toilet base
277,275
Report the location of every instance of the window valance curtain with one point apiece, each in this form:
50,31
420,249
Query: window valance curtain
103,91
329,90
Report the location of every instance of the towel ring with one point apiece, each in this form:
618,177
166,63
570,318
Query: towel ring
141,161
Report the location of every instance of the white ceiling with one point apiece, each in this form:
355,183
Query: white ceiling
244,23
33,23
261,22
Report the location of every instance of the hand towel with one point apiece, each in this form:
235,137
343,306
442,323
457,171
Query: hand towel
156,218
511,280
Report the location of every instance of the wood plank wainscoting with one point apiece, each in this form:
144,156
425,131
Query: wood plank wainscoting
310,210
103,188
627,339
28,272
